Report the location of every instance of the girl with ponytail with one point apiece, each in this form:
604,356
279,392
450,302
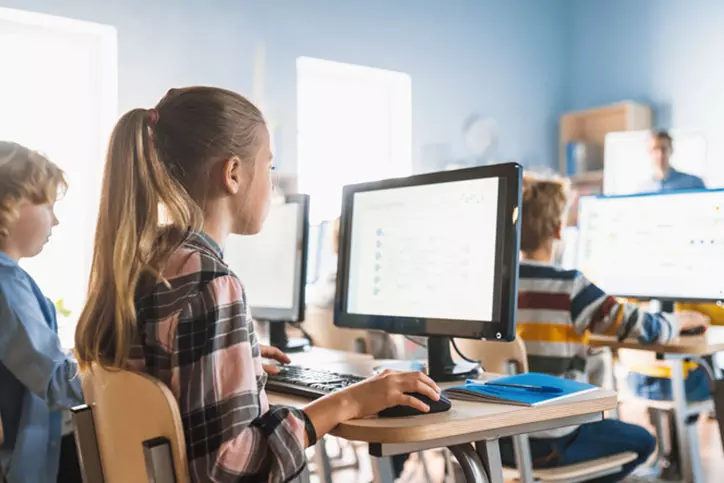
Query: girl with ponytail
179,178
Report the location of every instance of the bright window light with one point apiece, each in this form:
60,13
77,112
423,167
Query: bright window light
354,125
58,92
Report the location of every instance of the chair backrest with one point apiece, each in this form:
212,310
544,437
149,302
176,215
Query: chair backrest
2,435
129,409
496,356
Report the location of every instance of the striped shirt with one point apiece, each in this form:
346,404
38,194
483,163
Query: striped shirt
196,335
558,309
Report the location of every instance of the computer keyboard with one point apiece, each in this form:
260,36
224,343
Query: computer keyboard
309,383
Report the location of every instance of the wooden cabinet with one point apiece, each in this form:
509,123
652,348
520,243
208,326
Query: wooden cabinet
591,126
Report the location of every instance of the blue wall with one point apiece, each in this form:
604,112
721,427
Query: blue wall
505,59
663,52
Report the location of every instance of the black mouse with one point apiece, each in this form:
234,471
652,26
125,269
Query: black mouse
693,331
401,411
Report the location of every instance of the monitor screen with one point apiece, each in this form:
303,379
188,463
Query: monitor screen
667,246
429,250
272,263
425,251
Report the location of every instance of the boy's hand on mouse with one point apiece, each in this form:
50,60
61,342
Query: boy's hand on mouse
269,352
387,389
689,320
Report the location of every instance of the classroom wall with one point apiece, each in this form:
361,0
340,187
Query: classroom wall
503,59
662,52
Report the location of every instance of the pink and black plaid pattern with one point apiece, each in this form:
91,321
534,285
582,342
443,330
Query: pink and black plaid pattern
197,336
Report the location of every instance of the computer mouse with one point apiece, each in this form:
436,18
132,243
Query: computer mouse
439,406
693,331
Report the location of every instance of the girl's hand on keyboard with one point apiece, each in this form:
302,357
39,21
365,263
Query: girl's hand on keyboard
388,388
269,352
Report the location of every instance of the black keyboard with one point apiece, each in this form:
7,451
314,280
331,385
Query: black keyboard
309,383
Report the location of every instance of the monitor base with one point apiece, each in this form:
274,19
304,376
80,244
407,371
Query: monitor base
278,338
455,372
440,365
295,345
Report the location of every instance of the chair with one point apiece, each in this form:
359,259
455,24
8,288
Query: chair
2,435
136,425
511,358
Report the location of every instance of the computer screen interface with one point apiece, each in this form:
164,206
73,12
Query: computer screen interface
667,246
269,263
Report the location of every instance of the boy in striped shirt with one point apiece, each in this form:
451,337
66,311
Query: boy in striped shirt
557,309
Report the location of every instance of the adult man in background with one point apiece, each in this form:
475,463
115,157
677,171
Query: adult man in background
664,176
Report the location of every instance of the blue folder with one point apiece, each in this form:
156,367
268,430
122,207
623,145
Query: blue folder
535,389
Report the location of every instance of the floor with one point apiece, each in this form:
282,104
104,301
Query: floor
710,444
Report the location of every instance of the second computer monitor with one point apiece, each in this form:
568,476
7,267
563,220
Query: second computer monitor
272,264
666,246
434,254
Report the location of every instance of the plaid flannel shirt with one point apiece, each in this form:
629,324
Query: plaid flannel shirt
197,336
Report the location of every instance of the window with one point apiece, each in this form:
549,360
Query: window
354,125
58,92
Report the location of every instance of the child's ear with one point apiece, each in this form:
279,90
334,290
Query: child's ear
232,175
557,232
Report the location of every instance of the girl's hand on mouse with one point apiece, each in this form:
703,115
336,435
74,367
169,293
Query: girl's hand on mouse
387,389
369,397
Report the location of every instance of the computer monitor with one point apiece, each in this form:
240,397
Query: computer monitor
272,265
314,249
433,255
322,260
666,246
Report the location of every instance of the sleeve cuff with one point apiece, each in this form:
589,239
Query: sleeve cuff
309,429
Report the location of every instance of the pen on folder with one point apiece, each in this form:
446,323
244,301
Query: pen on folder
526,387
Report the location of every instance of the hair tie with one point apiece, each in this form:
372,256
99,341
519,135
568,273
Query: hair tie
153,116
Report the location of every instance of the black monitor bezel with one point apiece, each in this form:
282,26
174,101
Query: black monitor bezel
296,313
640,297
506,260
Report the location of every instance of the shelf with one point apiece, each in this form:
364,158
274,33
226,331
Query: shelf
592,125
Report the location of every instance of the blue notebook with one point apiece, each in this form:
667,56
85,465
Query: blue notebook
530,389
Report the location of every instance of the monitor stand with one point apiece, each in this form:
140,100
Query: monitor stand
278,338
440,364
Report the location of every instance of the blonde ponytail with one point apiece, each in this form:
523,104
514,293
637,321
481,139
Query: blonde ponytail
135,185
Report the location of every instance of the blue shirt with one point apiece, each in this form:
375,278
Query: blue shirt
675,180
37,379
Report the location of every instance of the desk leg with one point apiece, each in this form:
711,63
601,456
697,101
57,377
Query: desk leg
489,451
470,463
689,456
382,470
523,459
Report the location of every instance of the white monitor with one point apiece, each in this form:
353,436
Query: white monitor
272,264
425,251
667,246
627,166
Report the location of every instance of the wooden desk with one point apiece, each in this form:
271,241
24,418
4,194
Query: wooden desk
677,351
466,423
698,345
